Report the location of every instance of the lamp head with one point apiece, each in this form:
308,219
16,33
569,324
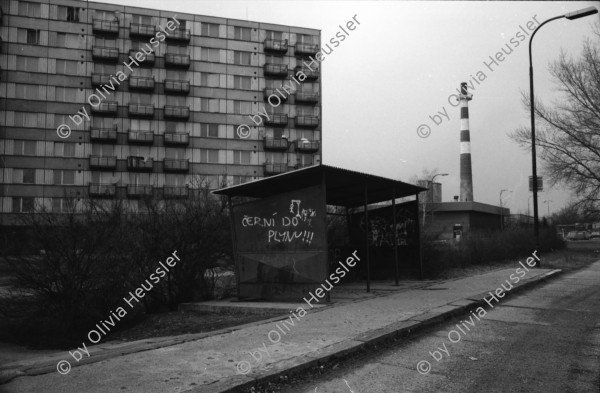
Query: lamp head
581,13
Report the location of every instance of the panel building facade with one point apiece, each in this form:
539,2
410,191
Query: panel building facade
84,115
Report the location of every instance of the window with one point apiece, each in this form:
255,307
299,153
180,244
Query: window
209,104
175,181
141,19
305,111
274,35
273,59
204,104
209,155
31,64
105,15
102,150
275,133
238,179
70,14
210,54
242,33
209,80
105,42
23,204
64,149
105,122
60,205
29,9
64,177
28,119
241,58
242,82
306,159
241,157
65,94
242,107
144,99
33,36
24,176
66,67
100,68
25,148
306,39
209,130
65,40
209,29
29,92
175,49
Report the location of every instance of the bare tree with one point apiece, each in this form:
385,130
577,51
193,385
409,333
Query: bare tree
569,134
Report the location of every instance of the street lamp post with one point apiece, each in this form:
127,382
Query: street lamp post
501,211
548,202
571,16
425,199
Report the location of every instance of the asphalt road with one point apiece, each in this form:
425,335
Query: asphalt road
544,340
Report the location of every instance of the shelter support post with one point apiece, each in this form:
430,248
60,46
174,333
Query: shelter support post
420,239
367,230
233,248
395,235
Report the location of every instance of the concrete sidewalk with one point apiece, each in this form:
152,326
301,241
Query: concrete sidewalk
209,362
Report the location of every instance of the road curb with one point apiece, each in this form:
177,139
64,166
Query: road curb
370,339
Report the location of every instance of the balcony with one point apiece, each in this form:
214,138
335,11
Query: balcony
141,110
276,46
102,190
306,146
176,165
141,30
275,169
176,86
103,162
101,79
268,92
307,121
105,53
177,61
140,164
310,74
277,120
306,49
307,97
139,191
179,35
175,192
148,60
280,144
280,70
103,134
177,138
177,112
140,137
105,108
105,26
141,83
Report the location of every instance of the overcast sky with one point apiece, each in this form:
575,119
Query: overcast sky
400,65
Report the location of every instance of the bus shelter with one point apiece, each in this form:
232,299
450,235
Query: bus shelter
279,227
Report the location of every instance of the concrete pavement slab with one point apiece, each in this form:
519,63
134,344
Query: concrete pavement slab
211,363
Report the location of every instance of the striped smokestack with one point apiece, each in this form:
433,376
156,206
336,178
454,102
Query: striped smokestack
466,175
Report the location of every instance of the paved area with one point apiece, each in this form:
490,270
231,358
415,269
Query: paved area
544,340
214,362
